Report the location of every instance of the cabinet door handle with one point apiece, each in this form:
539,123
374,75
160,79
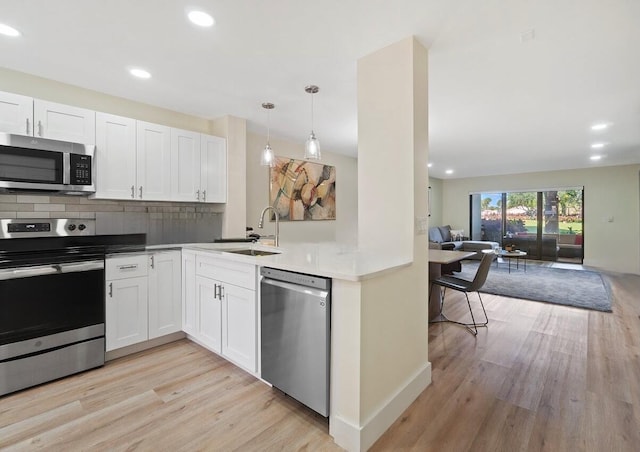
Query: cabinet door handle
153,262
215,291
28,128
111,289
204,195
198,195
133,192
128,267
39,128
221,292
140,191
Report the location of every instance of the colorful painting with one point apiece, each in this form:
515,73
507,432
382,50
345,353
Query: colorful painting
301,190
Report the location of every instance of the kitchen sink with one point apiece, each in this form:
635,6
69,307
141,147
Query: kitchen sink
250,252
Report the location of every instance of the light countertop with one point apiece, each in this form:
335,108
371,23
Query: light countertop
323,259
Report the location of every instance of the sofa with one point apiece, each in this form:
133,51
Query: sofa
443,236
570,245
529,242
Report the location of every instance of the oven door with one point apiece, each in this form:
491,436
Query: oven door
50,300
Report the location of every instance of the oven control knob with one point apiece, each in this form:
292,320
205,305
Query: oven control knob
71,227
82,227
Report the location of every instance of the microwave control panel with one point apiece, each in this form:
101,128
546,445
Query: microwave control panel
80,172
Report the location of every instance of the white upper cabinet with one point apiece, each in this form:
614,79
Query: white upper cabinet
16,114
63,122
133,159
153,161
185,153
34,117
115,157
213,169
199,167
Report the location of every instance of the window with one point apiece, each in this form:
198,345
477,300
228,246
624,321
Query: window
547,224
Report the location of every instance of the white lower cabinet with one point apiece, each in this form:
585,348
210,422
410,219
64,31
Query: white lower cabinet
165,307
189,294
209,313
239,326
142,297
220,306
126,315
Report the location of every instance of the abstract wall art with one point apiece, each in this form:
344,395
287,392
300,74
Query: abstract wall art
301,190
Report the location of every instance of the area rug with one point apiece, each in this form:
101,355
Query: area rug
580,288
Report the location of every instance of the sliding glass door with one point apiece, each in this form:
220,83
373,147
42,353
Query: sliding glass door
486,210
546,224
563,223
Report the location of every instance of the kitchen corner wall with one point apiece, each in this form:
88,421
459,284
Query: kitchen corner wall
163,222
342,230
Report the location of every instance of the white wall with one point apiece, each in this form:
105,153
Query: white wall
612,191
342,229
235,130
42,88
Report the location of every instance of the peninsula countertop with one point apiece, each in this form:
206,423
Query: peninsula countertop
330,260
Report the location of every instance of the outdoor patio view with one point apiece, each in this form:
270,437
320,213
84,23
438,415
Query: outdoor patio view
548,225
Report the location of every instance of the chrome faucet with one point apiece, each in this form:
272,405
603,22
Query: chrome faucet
261,222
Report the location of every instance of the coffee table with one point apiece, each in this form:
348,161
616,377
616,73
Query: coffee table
517,254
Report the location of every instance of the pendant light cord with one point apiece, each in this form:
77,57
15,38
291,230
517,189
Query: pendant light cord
311,112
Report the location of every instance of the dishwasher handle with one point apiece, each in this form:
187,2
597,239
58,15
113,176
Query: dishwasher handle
309,291
301,279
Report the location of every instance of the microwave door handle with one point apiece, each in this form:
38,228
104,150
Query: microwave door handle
66,168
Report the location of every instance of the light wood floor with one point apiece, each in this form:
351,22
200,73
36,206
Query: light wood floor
541,378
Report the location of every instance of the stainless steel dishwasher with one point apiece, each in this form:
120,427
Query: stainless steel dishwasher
296,316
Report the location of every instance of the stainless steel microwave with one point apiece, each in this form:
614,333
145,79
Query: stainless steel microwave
32,164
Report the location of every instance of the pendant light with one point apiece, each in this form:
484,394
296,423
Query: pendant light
312,145
267,153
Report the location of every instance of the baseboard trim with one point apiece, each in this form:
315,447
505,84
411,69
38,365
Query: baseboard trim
135,348
354,438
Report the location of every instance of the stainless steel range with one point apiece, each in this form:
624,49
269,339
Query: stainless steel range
52,309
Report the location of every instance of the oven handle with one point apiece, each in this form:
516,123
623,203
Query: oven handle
42,270
15,273
81,266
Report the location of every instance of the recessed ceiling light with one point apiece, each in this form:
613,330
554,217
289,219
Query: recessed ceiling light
597,145
449,171
140,73
595,157
8,31
600,126
429,165
201,18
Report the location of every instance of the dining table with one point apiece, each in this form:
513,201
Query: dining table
437,258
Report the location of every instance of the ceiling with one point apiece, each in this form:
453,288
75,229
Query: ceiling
513,86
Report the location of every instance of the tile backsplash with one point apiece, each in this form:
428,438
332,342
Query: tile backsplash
163,222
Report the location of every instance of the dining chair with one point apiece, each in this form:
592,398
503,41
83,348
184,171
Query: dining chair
465,286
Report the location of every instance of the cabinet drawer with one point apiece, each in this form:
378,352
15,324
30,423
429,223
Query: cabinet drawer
126,267
228,271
